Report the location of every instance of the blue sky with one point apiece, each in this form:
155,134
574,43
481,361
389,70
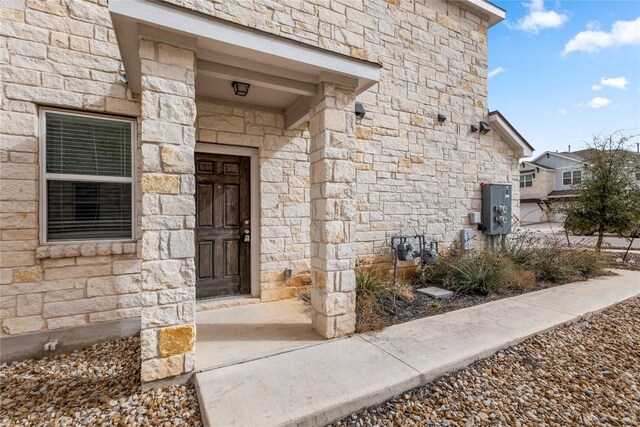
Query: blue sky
562,71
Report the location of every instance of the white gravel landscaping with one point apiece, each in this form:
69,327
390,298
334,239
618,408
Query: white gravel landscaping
583,374
99,385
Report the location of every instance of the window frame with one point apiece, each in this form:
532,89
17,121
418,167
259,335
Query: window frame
524,180
46,176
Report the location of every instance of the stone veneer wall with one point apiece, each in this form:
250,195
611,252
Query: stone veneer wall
543,183
284,189
412,172
62,54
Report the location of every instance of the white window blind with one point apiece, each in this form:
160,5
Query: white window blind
88,177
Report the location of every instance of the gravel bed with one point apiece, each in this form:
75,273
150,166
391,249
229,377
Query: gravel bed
583,374
98,385
615,260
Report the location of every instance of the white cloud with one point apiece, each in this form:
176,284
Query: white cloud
623,33
538,18
598,102
496,71
596,87
562,111
617,82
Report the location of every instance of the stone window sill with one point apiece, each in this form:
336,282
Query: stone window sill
84,249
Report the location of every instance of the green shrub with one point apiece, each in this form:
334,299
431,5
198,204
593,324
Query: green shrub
525,259
482,273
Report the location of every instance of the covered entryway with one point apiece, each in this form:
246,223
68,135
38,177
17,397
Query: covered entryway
299,108
223,220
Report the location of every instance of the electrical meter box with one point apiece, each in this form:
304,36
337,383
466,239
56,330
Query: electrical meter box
496,208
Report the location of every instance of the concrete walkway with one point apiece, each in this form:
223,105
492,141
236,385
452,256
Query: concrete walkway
317,385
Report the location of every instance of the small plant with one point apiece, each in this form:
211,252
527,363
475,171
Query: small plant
376,298
481,273
436,304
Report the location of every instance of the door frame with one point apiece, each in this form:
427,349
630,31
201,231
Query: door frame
254,202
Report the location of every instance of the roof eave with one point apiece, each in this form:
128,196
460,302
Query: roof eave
485,9
510,134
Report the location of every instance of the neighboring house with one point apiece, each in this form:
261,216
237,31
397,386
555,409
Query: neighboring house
549,179
139,175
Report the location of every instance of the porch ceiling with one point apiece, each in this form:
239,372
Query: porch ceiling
283,74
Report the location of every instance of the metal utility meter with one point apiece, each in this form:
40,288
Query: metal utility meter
496,208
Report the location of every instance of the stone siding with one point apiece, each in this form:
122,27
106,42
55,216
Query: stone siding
61,54
543,182
411,171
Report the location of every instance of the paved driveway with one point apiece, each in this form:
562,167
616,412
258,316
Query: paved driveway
555,228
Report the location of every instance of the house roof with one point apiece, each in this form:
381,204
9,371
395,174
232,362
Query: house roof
581,156
510,134
556,194
536,165
493,13
568,156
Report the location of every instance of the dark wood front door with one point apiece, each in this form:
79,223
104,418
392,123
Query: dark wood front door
222,221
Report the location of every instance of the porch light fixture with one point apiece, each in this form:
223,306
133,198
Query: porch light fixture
360,111
240,89
484,128
441,118
474,128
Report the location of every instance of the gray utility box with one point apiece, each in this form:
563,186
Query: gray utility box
496,208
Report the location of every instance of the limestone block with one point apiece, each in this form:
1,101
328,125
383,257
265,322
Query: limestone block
28,274
153,317
11,189
72,272
221,122
178,159
113,285
82,306
150,158
345,325
67,321
181,244
167,274
29,304
64,295
17,259
105,316
159,183
148,343
177,109
162,132
176,340
155,369
127,266
182,58
21,325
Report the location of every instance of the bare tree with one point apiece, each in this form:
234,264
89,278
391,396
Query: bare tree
607,199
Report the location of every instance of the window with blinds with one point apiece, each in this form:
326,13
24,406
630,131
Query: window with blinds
88,177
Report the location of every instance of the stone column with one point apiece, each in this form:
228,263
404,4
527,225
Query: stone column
168,210
333,210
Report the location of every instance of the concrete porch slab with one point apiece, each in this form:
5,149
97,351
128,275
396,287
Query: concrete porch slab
317,385
231,335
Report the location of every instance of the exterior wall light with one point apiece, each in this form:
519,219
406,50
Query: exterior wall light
441,118
484,127
474,128
240,89
360,111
